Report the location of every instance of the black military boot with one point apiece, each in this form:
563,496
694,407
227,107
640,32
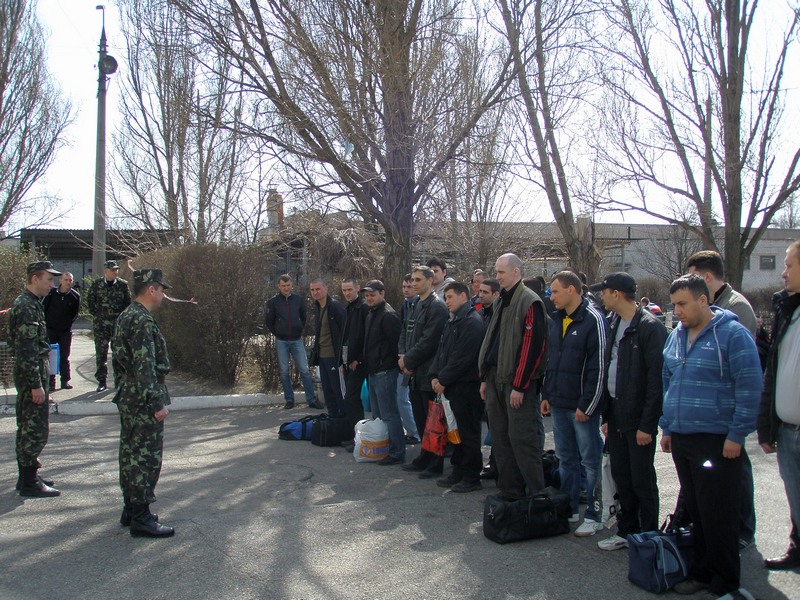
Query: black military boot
125,518
38,466
34,487
144,523
52,383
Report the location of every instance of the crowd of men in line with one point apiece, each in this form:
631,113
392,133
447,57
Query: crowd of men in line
600,364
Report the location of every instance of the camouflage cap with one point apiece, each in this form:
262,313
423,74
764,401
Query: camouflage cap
42,265
141,276
111,264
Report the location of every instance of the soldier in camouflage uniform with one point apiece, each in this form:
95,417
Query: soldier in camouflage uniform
27,339
107,298
140,365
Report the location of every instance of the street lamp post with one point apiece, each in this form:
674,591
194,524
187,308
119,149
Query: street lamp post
106,65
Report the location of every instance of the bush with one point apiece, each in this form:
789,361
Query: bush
209,339
13,273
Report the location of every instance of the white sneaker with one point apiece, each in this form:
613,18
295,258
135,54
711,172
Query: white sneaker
615,542
588,528
575,518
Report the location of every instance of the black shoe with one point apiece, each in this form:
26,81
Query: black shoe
53,383
65,385
790,560
288,406
412,466
449,481
390,460
489,472
47,482
317,405
144,524
38,490
101,386
411,440
430,474
125,517
465,486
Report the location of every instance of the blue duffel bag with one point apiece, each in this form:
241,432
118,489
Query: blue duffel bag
655,561
297,430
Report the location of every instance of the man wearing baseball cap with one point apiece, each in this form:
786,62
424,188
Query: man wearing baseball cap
108,296
27,339
630,418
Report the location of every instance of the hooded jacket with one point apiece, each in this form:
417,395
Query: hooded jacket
715,385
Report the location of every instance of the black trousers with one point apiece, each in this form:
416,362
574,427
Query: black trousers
353,408
711,486
465,400
64,341
635,476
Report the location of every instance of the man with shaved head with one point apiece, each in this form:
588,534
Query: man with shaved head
61,308
512,360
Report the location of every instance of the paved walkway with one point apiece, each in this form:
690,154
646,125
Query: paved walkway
262,518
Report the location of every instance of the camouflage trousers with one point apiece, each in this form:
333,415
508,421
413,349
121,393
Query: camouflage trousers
33,422
103,331
141,450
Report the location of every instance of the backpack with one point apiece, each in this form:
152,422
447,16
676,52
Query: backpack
297,430
330,431
655,562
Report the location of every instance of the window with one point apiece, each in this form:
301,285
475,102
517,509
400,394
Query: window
767,262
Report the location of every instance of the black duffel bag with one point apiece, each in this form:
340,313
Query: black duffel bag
544,515
330,431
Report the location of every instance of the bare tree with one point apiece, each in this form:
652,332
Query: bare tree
695,118
361,101
550,42
33,114
177,166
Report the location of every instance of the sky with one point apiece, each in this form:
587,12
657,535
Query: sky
73,28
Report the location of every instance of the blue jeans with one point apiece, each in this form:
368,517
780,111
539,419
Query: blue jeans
295,348
578,445
383,394
789,466
404,406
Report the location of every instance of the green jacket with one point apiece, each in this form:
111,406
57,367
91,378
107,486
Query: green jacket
28,342
140,360
107,302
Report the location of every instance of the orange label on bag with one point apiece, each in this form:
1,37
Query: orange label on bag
374,450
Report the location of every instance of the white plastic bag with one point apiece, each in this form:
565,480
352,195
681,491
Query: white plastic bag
606,493
371,441
452,426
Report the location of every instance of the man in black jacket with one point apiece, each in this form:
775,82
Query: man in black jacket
61,308
454,373
630,417
286,319
330,317
419,340
379,356
779,418
350,354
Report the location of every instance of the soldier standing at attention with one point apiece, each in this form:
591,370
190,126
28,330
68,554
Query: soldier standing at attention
140,365
107,298
27,338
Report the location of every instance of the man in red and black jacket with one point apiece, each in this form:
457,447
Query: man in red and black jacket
512,360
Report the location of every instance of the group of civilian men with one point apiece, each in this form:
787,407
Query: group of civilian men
599,364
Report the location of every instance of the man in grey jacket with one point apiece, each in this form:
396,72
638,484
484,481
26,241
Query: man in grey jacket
419,340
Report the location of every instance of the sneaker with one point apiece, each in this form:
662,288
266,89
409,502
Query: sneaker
574,518
740,594
588,528
690,586
615,542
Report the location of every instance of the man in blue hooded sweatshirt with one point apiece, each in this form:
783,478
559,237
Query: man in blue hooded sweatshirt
712,387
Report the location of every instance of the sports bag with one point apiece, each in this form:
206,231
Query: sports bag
297,430
330,431
655,562
544,515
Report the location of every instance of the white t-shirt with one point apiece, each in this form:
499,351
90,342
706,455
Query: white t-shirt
787,392
612,367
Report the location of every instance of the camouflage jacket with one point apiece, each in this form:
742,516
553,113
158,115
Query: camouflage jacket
27,339
140,360
107,302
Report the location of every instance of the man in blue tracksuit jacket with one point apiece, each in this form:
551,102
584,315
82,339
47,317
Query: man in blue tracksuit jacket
712,387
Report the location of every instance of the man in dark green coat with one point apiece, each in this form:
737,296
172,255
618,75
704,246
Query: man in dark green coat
140,365
27,339
108,296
